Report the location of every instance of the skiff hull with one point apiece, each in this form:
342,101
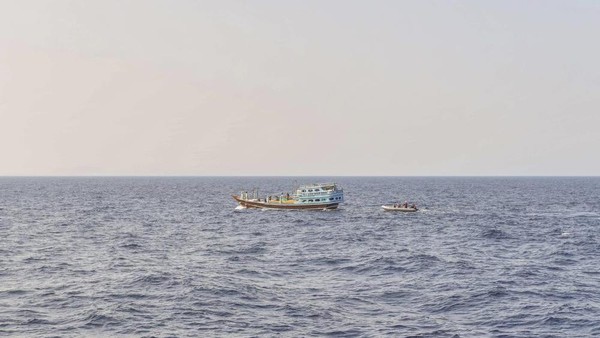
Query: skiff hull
400,209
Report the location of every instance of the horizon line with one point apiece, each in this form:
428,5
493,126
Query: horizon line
174,176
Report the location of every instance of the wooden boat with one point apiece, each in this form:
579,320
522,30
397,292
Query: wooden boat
401,209
322,196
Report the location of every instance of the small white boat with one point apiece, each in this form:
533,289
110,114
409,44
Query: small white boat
400,208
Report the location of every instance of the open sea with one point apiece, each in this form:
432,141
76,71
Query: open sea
173,257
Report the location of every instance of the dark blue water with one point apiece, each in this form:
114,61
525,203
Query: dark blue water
502,257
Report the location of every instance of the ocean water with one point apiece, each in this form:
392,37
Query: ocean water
162,257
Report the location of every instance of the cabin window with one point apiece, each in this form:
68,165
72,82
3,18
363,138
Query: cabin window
331,198
317,200
303,190
309,190
310,200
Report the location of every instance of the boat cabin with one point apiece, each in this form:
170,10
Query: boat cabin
319,193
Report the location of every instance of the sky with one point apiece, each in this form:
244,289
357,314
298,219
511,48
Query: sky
331,88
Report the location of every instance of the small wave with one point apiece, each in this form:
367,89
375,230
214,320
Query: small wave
591,272
496,292
248,272
97,320
385,265
129,295
29,260
151,279
565,261
448,304
495,234
38,321
333,261
340,333
425,258
15,292
395,295
583,214
130,246
555,321
226,292
278,328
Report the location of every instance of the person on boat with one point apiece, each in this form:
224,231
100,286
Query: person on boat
405,204
413,206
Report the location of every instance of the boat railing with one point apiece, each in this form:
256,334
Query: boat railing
320,193
317,185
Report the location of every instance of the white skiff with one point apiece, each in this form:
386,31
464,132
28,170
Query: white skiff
402,209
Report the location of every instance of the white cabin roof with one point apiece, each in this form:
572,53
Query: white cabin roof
316,185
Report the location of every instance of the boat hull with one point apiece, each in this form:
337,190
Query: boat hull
286,206
400,209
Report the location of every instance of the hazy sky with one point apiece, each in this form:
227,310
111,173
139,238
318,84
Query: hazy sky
299,87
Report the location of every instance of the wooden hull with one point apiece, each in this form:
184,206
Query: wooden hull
287,206
400,209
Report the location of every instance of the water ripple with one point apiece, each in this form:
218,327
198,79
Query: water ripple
502,257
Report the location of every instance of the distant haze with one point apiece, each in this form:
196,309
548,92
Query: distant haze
299,87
